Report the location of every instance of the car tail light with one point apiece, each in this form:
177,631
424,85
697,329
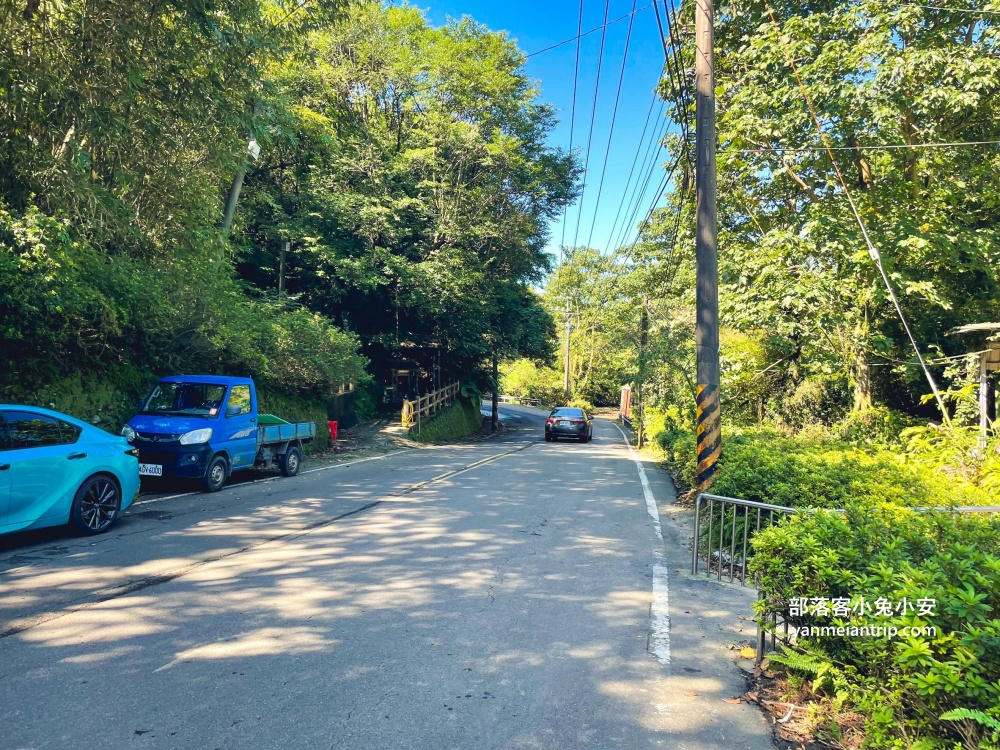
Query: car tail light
550,420
576,421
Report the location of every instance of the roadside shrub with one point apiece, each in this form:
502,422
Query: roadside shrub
664,425
580,403
959,453
878,425
685,451
799,472
368,399
905,686
107,400
820,399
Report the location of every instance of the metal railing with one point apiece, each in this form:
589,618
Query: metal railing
422,408
519,400
731,525
729,516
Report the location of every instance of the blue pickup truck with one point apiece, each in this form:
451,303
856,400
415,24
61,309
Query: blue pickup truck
206,427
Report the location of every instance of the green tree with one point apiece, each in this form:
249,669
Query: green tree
409,167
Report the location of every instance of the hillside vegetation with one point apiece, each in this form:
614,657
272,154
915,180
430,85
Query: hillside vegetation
405,165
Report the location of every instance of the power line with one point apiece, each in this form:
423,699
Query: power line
630,248
675,64
873,147
672,67
649,164
656,199
669,66
633,216
580,35
593,113
611,133
648,167
635,161
627,254
681,103
952,10
572,119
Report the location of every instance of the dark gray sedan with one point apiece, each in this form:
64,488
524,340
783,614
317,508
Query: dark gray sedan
569,422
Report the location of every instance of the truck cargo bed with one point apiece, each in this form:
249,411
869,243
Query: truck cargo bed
282,433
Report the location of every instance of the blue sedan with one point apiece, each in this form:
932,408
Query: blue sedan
55,470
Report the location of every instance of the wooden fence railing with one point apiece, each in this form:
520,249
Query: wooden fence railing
414,412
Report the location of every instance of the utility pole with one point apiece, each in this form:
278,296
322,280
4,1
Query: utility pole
281,269
495,411
709,424
640,395
569,327
253,153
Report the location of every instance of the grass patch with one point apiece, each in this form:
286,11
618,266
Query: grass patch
457,421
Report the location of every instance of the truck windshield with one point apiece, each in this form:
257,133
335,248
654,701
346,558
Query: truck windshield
188,399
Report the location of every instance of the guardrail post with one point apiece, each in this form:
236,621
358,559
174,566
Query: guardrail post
697,535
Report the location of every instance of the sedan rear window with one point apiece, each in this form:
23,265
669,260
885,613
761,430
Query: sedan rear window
568,412
31,430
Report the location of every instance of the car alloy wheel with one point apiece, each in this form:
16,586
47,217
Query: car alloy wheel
96,505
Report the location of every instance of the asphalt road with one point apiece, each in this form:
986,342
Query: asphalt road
505,594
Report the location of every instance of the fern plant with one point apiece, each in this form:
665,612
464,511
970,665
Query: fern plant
972,719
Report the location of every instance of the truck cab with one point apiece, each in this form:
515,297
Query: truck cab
207,427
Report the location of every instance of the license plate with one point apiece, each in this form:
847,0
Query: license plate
563,423
150,470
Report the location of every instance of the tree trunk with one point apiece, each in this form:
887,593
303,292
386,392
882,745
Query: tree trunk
910,131
495,417
862,381
593,351
865,181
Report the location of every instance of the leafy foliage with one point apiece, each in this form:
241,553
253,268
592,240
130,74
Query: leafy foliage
907,686
406,165
457,421
525,378
409,169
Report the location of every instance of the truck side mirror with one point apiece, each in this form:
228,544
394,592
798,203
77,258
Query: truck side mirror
234,410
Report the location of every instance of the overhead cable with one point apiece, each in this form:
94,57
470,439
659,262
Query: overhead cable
590,135
580,35
611,133
649,166
873,147
628,180
572,119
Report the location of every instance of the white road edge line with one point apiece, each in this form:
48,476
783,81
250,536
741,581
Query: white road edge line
268,479
660,611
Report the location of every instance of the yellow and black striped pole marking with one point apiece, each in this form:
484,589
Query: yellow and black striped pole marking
709,432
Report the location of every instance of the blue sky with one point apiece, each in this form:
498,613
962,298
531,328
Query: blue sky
540,23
